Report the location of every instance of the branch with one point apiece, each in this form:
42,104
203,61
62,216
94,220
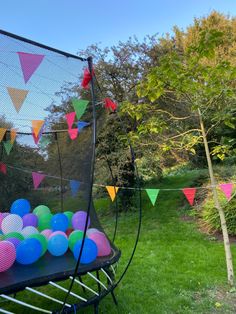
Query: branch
171,115
182,134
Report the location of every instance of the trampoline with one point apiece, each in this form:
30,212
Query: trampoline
48,132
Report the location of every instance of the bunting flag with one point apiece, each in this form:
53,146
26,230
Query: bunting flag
13,136
8,146
73,133
29,63
37,179
37,126
109,104
189,194
152,194
80,106
112,190
227,188
86,79
36,138
2,133
70,117
74,186
3,168
17,97
81,125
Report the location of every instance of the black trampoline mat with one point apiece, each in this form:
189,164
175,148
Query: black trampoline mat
49,268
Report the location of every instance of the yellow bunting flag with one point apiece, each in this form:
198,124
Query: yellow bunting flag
112,190
13,135
2,133
17,97
37,125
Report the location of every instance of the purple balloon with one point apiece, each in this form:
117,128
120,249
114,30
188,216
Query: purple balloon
30,220
79,220
14,241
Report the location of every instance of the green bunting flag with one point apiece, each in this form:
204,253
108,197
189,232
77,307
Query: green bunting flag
8,146
153,193
80,106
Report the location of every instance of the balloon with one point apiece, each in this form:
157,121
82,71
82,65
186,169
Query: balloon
14,241
28,231
89,252
30,220
41,209
44,221
46,233
69,215
14,235
12,223
58,232
42,239
7,255
1,219
57,245
74,237
5,214
91,230
28,251
59,222
79,219
20,207
103,245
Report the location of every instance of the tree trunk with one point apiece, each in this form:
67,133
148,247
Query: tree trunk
228,255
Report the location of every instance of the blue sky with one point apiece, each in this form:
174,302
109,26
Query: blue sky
74,24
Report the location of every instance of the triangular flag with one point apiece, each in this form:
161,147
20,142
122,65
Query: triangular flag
81,125
36,138
17,97
112,190
13,135
3,168
153,193
37,126
189,194
79,105
74,185
37,179
227,188
73,133
2,133
86,79
110,104
29,63
8,146
70,117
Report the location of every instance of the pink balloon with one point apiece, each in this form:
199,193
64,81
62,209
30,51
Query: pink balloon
46,233
57,232
91,230
7,255
102,242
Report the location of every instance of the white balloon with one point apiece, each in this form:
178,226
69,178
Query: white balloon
12,223
27,231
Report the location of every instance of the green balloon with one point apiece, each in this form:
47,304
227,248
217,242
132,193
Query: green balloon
74,237
44,221
14,235
42,239
1,237
41,209
69,215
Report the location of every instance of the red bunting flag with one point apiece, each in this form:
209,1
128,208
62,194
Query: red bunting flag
109,104
29,63
189,194
227,188
70,117
3,168
86,79
73,133
37,179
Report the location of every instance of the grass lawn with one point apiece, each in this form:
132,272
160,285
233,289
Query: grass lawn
176,269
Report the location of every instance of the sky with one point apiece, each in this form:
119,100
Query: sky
72,25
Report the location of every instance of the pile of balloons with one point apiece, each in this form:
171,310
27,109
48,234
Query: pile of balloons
26,236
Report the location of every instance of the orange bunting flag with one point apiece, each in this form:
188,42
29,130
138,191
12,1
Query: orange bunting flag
37,126
112,190
2,133
189,194
13,135
17,97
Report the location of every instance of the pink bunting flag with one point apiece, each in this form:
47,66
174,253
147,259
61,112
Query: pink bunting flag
37,179
29,63
189,194
3,168
73,133
70,117
227,188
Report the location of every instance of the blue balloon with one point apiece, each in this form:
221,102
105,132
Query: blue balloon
58,245
28,251
20,207
89,253
59,222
